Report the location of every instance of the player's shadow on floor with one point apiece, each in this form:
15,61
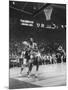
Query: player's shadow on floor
21,76
33,76
25,75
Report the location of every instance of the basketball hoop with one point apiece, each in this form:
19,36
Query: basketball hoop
48,12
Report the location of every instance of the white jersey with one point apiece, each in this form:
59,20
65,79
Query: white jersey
53,56
24,61
48,57
22,54
31,56
33,46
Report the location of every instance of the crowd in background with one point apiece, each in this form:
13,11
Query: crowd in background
51,52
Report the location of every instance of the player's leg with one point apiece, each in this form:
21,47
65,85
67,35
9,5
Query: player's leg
37,67
30,68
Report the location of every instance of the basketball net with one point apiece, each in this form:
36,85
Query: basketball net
48,12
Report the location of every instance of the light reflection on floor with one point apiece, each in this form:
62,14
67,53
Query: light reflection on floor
48,75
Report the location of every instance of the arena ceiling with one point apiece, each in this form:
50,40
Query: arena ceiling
35,10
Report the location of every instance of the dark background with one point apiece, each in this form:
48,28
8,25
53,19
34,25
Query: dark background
20,33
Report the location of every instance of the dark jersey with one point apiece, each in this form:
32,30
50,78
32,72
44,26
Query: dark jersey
27,56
